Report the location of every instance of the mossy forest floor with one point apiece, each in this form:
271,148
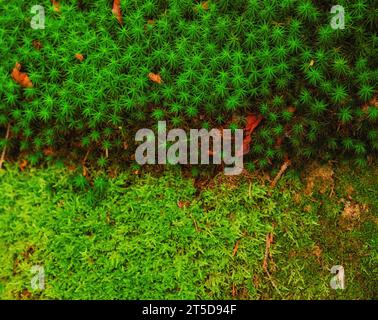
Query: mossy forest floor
145,236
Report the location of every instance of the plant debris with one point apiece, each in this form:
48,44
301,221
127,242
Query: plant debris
21,77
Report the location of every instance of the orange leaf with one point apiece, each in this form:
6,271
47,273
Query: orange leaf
21,77
56,5
205,5
37,44
252,122
236,248
154,77
48,151
117,10
183,204
23,164
79,56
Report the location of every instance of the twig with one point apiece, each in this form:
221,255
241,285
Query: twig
269,240
5,147
86,157
284,167
85,170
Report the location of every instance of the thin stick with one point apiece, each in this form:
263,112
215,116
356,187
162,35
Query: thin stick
284,167
5,147
86,157
268,242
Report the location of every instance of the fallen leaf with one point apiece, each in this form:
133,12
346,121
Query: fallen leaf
252,122
79,56
117,10
56,5
183,204
21,77
37,44
205,5
48,152
23,164
154,77
236,248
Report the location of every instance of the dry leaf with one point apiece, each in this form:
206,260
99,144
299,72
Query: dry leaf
154,77
48,151
183,204
21,77
252,122
236,248
56,5
117,10
23,164
37,44
205,5
79,56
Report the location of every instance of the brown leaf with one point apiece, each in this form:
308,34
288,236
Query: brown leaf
56,5
23,164
48,151
21,77
117,10
183,204
252,122
155,77
79,56
236,248
37,44
205,5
